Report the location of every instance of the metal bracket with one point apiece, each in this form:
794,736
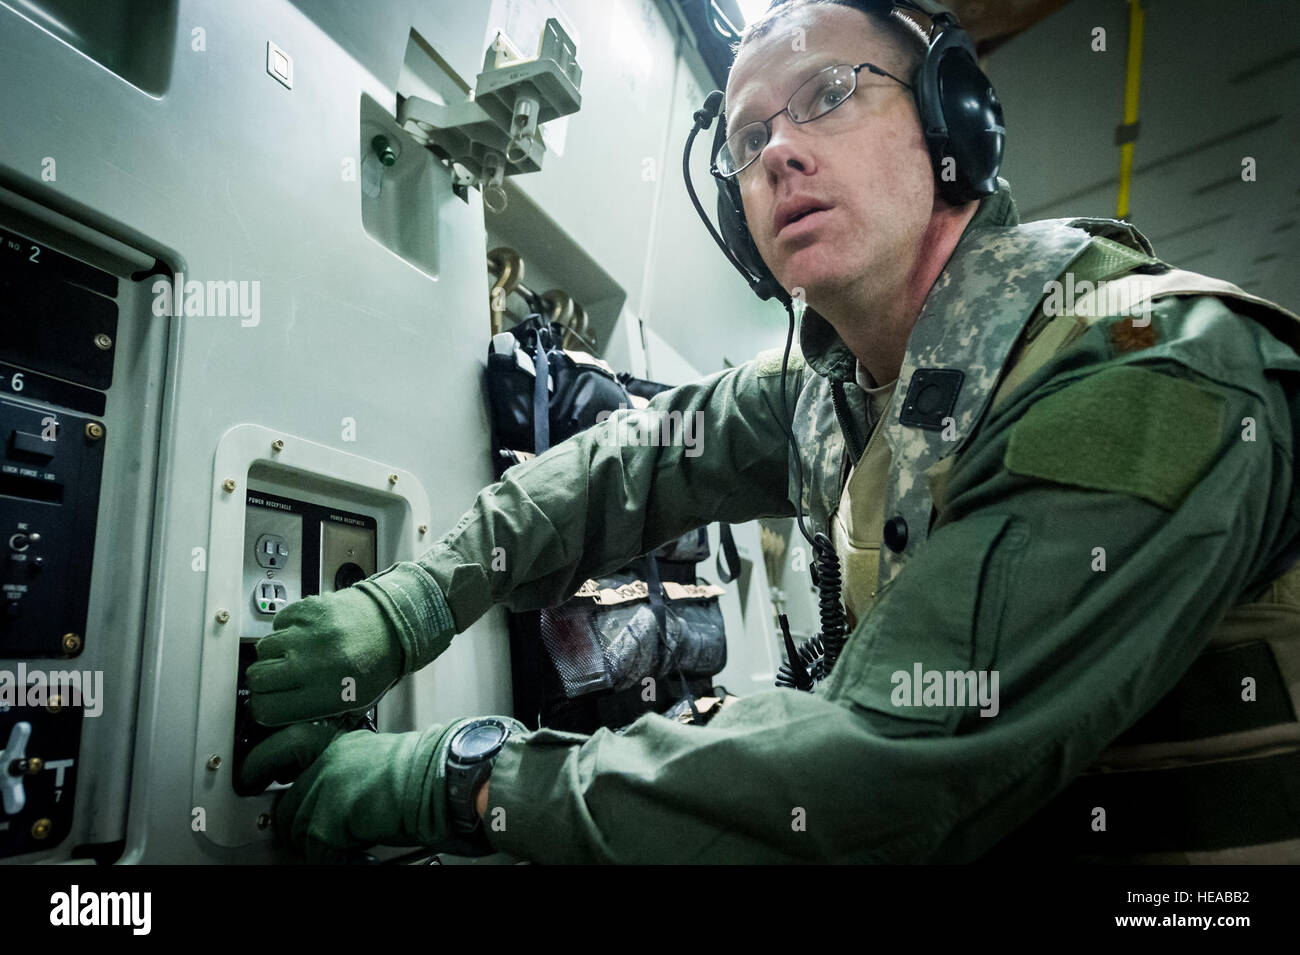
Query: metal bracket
494,134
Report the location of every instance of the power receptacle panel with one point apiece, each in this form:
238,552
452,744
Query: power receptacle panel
292,549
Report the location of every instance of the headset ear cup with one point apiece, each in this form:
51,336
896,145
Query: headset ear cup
961,117
976,134
735,232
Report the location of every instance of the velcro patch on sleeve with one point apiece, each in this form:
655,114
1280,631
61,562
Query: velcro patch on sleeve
1125,429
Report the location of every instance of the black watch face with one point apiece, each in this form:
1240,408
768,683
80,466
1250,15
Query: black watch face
479,742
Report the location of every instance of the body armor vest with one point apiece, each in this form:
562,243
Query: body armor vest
1205,786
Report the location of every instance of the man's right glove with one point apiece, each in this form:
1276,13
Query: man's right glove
340,652
358,789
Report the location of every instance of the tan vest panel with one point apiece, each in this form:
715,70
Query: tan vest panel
856,531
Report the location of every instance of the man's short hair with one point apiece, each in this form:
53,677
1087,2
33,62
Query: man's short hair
903,33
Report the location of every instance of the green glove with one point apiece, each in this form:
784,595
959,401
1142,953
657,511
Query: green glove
340,652
357,789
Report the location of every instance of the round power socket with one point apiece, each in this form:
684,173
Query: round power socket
347,575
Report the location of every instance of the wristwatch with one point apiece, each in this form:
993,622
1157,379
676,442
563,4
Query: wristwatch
470,756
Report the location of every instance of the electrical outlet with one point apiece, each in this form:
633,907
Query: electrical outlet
272,596
273,561
271,551
347,553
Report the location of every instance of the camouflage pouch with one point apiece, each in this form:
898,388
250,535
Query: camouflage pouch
606,638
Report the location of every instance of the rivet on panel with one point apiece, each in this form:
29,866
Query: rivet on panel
384,150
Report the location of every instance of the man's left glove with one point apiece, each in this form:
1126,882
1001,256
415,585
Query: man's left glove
358,789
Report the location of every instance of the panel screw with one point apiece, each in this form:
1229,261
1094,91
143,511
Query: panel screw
277,444
103,342
228,484
264,820
223,616
55,705
384,150
71,643
392,479
41,828
94,430
423,528
214,763
30,767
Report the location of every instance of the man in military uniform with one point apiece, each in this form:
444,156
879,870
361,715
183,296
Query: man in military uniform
1074,501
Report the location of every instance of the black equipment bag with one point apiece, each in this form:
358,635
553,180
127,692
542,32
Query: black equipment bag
585,663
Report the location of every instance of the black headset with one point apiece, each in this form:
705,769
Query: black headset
960,114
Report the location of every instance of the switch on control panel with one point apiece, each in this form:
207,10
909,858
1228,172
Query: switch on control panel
33,445
40,736
14,767
50,469
21,541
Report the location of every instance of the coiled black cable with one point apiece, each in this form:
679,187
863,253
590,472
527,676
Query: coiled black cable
830,609
826,563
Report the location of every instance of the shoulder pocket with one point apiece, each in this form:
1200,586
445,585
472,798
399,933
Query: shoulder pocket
1123,429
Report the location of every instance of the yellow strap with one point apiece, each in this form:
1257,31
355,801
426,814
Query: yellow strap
1136,19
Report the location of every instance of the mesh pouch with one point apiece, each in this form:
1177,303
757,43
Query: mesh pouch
605,637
